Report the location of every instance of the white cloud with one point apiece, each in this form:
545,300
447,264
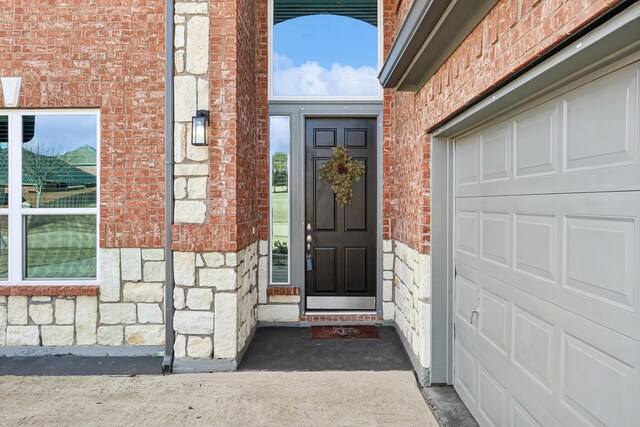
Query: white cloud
312,79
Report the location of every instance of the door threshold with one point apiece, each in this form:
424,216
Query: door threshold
339,313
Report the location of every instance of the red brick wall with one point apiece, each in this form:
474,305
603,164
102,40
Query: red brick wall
107,55
262,154
513,34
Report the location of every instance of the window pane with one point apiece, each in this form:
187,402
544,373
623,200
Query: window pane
4,246
4,161
327,50
279,143
60,246
59,161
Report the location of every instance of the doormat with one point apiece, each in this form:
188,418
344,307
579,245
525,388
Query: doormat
343,332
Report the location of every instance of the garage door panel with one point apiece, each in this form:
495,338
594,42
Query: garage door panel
600,258
494,323
520,417
600,121
492,399
495,237
495,153
543,334
586,140
536,142
590,266
603,396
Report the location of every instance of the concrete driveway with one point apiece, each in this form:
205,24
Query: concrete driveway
388,398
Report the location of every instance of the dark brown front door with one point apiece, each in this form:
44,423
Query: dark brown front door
343,238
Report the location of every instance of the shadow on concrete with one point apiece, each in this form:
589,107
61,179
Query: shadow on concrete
448,407
292,349
76,365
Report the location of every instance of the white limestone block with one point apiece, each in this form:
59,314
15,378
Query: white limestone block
191,169
226,331
193,322
190,212
86,320
224,279
65,310
387,290
17,310
184,88
184,268
387,246
57,335
199,299
131,263
41,314
213,259
182,8
387,262
110,335
388,311
149,313
180,188
23,336
40,299
109,275
264,247
179,302
144,334
284,299
143,292
199,347
180,346
153,254
197,187
112,314
278,313
3,324
153,271
178,39
179,136
198,43
232,259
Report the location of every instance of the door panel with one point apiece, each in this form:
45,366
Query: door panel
343,237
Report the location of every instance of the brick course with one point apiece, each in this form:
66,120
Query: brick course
106,55
512,35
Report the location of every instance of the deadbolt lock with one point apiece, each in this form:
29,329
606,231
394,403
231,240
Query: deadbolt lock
309,238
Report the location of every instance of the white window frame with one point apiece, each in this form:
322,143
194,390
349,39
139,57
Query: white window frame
270,240
378,97
16,212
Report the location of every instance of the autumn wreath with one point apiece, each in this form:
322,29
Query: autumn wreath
340,171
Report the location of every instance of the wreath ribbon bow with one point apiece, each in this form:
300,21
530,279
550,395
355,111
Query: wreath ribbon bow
341,171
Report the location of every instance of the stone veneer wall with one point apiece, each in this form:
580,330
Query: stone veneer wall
276,303
411,295
215,298
128,309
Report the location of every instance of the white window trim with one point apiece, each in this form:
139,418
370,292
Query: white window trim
272,97
15,211
270,239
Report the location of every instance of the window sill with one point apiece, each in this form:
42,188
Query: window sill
49,290
282,290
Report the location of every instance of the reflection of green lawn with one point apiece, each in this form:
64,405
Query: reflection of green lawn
280,216
61,246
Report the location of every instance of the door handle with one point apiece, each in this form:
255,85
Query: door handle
475,311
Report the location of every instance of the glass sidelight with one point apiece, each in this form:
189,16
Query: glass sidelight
279,167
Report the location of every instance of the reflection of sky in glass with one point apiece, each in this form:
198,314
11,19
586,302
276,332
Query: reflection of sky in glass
67,132
279,134
325,55
327,39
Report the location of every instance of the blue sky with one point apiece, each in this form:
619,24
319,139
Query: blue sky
327,39
325,55
67,132
279,134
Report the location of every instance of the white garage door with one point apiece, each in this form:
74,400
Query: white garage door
547,251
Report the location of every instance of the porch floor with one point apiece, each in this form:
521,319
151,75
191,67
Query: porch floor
292,349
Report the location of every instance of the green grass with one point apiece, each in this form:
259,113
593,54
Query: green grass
280,216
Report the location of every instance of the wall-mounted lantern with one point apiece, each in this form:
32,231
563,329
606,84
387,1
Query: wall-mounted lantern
199,124
11,90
